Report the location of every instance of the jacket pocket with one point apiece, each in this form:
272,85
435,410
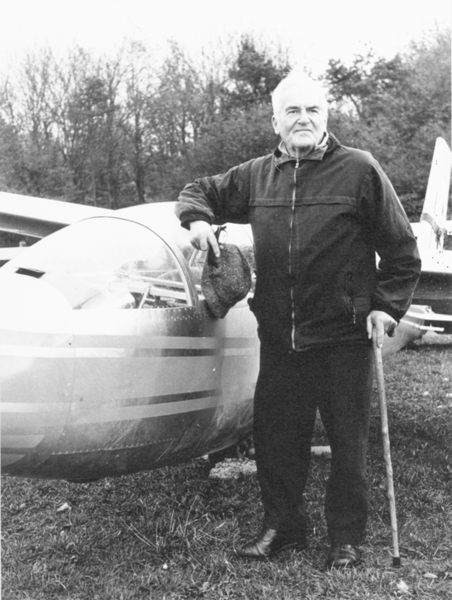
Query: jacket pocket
350,297
358,292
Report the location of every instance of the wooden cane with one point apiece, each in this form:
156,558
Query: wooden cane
387,452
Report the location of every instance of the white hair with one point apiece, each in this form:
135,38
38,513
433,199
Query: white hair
302,80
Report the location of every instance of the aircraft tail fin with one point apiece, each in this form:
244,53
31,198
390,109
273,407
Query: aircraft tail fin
433,226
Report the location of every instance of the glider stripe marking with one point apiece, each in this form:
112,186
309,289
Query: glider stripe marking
35,407
167,405
37,352
237,351
41,352
158,341
40,339
132,413
188,396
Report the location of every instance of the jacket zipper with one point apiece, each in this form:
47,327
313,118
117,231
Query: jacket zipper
290,252
351,296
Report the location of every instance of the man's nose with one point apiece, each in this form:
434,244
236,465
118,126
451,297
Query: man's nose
303,116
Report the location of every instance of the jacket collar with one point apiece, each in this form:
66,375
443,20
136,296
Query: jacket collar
327,145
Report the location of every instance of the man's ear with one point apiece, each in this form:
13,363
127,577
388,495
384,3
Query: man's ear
275,125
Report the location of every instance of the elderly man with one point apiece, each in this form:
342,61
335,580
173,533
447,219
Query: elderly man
319,212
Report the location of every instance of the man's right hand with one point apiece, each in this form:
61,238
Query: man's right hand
201,235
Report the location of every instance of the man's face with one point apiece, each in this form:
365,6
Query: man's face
300,119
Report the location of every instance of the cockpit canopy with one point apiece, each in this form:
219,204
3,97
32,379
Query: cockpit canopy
107,262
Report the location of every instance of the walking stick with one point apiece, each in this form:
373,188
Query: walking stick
387,452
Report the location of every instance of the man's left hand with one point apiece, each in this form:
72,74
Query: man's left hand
378,323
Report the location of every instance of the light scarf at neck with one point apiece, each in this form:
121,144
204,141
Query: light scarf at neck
315,154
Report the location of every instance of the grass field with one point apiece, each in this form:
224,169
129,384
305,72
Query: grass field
168,534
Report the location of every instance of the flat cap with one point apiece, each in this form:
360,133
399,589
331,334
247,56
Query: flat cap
225,280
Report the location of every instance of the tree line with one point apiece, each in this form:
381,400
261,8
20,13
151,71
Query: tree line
119,130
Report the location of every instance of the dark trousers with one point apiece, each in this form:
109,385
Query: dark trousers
290,388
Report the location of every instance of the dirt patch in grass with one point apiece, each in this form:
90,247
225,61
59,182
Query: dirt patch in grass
170,533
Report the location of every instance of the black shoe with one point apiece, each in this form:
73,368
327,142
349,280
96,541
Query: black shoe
344,556
269,544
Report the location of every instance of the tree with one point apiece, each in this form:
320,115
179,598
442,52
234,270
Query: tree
240,128
137,125
25,106
228,142
396,108
253,75
140,83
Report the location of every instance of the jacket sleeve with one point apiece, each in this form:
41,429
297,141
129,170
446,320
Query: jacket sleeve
399,264
217,199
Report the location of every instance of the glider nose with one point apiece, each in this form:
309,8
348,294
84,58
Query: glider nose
36,370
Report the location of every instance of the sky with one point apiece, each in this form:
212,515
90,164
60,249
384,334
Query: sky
314,31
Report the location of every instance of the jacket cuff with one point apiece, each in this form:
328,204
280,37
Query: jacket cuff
192,216
392,311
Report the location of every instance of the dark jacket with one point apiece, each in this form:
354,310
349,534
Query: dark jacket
317,226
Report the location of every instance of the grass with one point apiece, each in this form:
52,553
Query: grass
168,534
